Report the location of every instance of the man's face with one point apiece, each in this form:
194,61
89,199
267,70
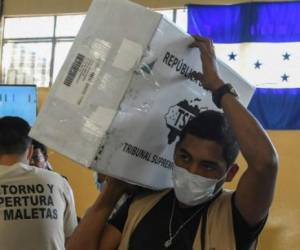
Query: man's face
38,159
201,157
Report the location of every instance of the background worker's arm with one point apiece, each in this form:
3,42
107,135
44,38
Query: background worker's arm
93,229
255,189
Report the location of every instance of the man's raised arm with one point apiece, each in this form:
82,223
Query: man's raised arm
255,190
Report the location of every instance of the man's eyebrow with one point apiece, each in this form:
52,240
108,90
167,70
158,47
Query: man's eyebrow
184,151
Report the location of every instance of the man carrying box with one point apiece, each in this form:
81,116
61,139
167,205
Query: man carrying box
198,213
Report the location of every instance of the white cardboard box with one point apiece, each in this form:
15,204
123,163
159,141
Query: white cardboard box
125,92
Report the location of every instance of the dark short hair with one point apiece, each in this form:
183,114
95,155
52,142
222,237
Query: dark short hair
14,137
37,145
212,125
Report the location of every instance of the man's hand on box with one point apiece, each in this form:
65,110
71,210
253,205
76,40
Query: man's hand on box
118,187
210,78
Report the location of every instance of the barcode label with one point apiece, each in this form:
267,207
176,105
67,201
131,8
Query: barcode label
74,69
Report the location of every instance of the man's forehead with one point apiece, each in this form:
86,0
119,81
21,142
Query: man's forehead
201,147
193,139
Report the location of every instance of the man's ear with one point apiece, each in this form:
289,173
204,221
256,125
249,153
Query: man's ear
234,168
175,150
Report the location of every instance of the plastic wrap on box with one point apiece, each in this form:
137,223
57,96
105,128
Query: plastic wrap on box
91,83
125,92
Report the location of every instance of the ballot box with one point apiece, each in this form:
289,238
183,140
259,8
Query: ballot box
125,91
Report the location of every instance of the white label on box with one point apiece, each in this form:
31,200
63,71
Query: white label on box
103,117
79,79
98,122
100,49
128,55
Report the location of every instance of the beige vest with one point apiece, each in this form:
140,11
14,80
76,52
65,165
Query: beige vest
219,234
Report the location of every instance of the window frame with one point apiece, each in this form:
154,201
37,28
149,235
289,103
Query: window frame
51,39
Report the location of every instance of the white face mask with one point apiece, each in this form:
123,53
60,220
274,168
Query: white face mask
191,189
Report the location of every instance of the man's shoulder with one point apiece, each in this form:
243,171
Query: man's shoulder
151,194
141,199
224,200
227,193
40,175
47,174
146,200
135,204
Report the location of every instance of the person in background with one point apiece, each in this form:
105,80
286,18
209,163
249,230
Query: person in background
37,209
39,159
40,156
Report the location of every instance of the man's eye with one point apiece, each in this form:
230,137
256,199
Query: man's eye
210,167
184,157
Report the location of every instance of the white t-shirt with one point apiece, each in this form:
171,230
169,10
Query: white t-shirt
37,210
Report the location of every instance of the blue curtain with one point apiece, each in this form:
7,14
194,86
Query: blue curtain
277,22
